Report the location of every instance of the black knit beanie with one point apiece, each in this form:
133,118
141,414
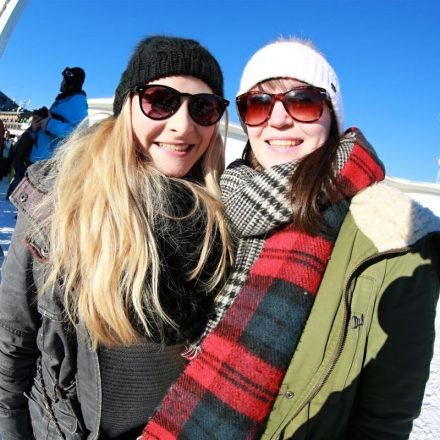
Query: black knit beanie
160,56
74,76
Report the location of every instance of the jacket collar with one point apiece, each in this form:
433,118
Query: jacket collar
391,219
68,93
38,175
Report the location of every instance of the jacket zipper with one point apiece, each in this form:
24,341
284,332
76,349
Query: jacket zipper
48,402
92,359
95,359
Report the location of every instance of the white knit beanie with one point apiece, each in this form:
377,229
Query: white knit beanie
294,59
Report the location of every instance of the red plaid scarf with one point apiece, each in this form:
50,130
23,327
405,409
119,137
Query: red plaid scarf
228,390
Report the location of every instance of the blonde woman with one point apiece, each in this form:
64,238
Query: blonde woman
118,252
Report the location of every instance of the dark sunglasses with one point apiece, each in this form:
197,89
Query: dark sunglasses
303,104
161,102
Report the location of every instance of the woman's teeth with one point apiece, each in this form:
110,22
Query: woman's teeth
173,147
284,143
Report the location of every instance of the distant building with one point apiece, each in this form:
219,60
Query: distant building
7,104
10,12
14,120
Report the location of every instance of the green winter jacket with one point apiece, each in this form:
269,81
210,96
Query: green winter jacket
361,366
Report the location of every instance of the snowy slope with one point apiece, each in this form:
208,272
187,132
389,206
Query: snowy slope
426,427
7,219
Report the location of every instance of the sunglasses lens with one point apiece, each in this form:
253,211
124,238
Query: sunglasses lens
304,105
254,108
206,109
159,102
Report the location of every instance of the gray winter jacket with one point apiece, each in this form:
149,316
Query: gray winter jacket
50,385
44,364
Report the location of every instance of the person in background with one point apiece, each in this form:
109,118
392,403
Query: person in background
50,127
5,155
19,158
119,250
326,327
2,134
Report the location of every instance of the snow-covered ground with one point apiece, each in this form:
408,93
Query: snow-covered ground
7,219
426,427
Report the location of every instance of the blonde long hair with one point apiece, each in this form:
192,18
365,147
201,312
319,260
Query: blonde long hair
105,200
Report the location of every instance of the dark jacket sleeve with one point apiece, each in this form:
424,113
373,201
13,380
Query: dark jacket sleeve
392,384
19,323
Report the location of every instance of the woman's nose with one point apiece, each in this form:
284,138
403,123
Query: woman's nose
181,121
279,116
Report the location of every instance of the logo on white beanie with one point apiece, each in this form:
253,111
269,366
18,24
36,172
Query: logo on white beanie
294,59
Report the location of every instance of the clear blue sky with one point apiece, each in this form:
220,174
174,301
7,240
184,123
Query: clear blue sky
386,53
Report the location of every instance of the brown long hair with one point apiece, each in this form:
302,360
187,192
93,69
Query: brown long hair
314,177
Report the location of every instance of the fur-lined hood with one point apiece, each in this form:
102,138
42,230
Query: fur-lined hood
391,219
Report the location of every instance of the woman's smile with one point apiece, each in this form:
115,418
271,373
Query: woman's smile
174,147
284,143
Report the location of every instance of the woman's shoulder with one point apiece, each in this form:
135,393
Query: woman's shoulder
33,189
391,219
40,175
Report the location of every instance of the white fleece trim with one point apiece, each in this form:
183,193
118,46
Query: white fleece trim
391,219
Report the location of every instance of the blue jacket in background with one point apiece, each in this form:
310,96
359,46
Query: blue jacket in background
66,113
